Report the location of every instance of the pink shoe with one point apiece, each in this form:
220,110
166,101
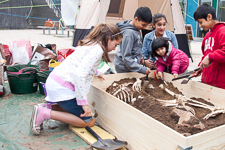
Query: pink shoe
46,105
39,115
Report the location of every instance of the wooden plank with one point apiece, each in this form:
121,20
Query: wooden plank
143,132
213,139
89,138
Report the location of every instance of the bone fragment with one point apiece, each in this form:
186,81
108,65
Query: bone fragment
213,114
137,85
151,86
133,100
167,90
140,96
124,96
203,106
128,95
115,84
189,109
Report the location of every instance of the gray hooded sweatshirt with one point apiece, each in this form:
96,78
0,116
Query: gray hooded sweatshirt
128,54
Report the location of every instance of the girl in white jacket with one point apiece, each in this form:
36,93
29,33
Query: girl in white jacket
69,83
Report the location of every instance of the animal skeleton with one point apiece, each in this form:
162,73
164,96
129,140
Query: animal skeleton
124,93
181,100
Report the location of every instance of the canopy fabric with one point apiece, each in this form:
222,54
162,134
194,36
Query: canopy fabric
91,13
69,10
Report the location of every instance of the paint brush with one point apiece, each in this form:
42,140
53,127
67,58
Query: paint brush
165,82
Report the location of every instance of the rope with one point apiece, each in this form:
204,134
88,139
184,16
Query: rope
100,11
4,1
196,2
38,5
25,16
188,15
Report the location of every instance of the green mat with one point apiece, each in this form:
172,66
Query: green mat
15,133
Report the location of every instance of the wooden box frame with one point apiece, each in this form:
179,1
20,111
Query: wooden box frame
143,132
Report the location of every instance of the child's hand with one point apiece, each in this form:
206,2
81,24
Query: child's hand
87,111
175,75
205,62
160,74
197,73
101,76
150,64
148,71
142,61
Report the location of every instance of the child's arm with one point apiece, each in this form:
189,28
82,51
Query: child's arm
218,55
99,74
87,111
129,61
160,66
175,64
159,73
83,76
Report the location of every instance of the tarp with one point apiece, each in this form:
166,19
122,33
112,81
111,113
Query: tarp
15,132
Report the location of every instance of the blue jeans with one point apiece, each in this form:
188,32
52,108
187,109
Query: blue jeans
71,107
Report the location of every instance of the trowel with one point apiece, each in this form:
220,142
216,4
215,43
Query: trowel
185,75
186,81
106,144
146,81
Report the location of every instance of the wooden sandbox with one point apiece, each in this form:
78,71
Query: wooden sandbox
141,131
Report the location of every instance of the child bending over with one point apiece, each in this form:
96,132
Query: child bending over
69,83
167,56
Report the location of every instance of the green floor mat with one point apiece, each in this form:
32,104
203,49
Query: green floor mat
15,133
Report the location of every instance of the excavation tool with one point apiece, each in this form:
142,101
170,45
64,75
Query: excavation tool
185,75
165,82
105,144
146,82
186,81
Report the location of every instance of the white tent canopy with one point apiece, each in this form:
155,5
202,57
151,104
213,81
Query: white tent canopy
93,12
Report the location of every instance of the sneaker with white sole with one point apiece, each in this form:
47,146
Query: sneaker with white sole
39,115
46,105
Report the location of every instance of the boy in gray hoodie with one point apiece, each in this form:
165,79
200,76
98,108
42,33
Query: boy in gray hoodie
128,57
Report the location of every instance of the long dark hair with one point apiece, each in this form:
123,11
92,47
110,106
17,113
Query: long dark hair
158,17
100,34
158,43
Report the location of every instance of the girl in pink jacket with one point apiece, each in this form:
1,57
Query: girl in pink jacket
166,55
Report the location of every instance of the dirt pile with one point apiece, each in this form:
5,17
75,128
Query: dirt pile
186,120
